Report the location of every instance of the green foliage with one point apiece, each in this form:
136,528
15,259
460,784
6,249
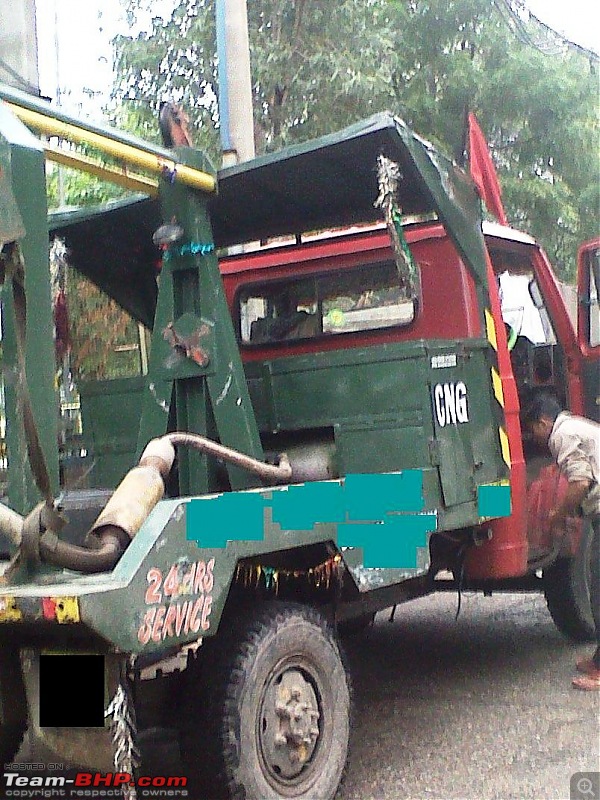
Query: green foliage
102,335
104,338
69,187
174,61
319,65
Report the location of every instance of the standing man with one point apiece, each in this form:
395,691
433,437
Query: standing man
575,444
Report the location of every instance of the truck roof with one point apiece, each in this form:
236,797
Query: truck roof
332,182
325,183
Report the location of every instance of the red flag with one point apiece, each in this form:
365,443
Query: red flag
483,171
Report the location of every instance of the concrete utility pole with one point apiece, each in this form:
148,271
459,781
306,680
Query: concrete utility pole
18,45
235,83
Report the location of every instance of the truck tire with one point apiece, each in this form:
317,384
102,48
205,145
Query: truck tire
273,718
567,591
356,626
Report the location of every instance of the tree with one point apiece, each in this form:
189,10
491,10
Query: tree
318,66
535,98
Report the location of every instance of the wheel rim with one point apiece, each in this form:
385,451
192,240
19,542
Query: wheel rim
289,725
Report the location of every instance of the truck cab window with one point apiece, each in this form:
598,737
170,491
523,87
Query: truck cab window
354,300
523,309
532,341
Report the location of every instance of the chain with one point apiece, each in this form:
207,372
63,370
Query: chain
122,728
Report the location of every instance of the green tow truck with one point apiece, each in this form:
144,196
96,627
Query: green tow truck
324,429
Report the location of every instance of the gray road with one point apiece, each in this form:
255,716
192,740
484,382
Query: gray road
478,709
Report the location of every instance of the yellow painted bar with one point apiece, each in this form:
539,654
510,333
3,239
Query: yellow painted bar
132,155
128,180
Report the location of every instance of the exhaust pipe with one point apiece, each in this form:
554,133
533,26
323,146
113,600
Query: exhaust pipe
126,511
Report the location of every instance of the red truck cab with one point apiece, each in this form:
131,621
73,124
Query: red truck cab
542,349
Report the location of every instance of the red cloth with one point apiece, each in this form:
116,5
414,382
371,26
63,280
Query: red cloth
483,171
61,325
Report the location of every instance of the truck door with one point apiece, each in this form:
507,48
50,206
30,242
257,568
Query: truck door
588,324
451,411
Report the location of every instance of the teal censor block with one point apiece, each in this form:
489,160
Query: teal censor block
371,497
235,516
493,500
302,507
392,543
381,514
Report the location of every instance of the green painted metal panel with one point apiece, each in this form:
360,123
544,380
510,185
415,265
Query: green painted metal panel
329,387
153,601
23,164
211,398
110,412
381,403
11,224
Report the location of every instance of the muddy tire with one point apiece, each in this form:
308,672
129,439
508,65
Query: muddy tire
567,591
355,627
275,720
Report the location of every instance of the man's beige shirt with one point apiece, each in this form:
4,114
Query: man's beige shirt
575,444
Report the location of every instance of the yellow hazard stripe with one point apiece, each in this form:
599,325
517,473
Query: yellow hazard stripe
490,327
505,446
497,384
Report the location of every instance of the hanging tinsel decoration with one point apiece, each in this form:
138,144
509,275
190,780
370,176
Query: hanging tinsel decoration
189,249
388,175
321,576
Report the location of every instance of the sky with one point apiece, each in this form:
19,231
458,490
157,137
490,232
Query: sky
81,30
74,49
577,20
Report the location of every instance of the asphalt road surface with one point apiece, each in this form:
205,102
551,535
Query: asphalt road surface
476,709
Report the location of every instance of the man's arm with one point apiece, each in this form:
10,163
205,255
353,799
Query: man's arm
576,491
